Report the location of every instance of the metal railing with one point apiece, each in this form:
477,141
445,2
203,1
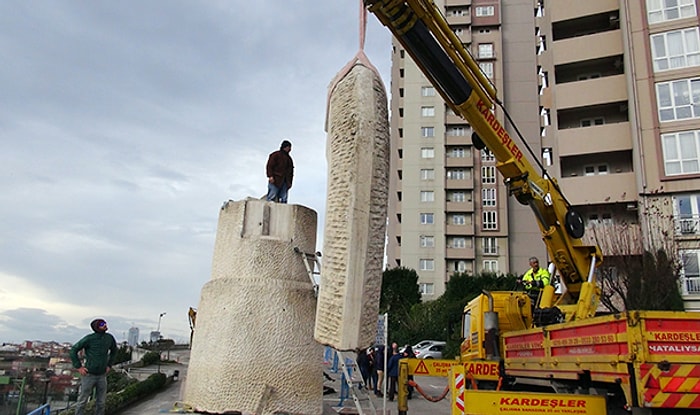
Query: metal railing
688,225
691,285
44,409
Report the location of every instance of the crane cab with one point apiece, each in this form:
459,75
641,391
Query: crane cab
488,316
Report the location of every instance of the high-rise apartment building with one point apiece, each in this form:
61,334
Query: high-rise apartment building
133,339
607,95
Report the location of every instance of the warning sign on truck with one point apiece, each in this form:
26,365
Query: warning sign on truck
432,367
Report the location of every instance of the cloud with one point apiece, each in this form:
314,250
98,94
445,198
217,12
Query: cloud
123,129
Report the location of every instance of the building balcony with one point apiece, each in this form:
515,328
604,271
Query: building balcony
615,239
459,206
460,230
459,161
591,92
690,286
452,118
571,9
596,139
457,140
459,20
452,184
449,3
600,189
687,227
577,49
465,37
459,253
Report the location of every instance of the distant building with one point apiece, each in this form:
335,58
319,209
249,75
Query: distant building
133,338
155,335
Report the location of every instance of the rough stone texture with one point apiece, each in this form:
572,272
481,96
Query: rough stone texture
253,349
356,205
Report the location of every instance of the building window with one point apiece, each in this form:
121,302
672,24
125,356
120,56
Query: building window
690,272
541,44
586,76
662,10
427,241
456,174
545,114
484,11
458,197
681,152
427,152
456,11
427,218
539,10
427,174
676,49
490,265
427,132
459,243
600,218
427,196
547,156
460,266
426,288
487,69
488,174
488,197
487,155
687,208
595,170
427,111
459,219
456,131
587,122
490,246
490,220
544,77
485,50
427,91
457,152
427,264
678,100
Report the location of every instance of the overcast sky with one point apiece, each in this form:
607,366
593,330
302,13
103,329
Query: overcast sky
124,126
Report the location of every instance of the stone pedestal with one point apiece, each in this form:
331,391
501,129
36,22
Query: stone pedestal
253,349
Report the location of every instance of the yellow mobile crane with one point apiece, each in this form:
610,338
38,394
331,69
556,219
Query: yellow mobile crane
639,361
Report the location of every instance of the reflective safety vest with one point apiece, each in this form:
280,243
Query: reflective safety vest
530,277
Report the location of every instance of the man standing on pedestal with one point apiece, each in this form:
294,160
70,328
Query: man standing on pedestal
280,172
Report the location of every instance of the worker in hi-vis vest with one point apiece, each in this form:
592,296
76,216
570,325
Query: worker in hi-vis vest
535,278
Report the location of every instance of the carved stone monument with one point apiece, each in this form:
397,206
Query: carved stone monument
356,206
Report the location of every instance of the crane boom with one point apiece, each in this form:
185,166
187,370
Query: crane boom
425,34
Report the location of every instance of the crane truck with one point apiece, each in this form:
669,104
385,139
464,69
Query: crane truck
643,362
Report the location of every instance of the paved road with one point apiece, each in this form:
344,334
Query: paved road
167,399
417,406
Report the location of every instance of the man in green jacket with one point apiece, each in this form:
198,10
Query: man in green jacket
100,351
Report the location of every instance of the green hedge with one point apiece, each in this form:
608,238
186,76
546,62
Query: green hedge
136,391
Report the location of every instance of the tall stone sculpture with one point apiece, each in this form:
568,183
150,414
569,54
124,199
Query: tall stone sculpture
356,204
253,349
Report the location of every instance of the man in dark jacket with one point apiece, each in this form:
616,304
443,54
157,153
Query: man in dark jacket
100,351
392,372
280,172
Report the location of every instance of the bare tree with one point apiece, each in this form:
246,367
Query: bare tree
642,269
